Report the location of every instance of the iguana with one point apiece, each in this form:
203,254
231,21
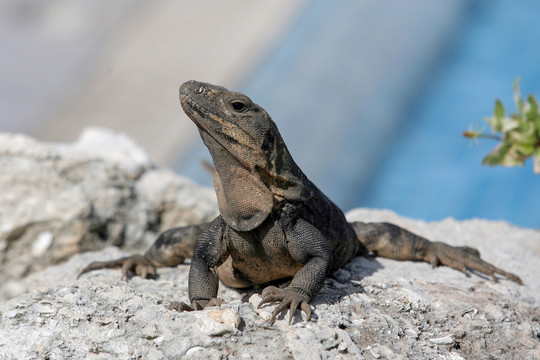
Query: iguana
274,223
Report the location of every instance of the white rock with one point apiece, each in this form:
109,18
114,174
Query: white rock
44,308
68,198
194,350
444,340
42,244
388,308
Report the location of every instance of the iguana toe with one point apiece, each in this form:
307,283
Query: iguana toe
137,264
289,298
464,258
195,305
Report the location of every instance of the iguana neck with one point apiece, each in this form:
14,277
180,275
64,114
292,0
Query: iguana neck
286,178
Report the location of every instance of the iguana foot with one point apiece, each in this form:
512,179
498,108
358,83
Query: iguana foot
137,264
289,297
195,305
463,258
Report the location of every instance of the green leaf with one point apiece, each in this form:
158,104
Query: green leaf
498,115
517,96
497,155
530,133
536,161
524,150
519,133
533,105
533,115
499,112
513,157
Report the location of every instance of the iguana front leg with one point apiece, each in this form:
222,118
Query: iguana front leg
308,246
210,252
391,241
171,248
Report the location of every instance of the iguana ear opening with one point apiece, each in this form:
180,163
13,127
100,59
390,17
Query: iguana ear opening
243,199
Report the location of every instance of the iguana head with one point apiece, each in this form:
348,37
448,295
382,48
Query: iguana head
253,165
230,118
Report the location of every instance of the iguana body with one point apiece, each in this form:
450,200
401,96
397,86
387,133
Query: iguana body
274,223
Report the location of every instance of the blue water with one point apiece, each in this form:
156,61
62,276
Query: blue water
430,172
372,98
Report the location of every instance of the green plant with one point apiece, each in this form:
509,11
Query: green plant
519,133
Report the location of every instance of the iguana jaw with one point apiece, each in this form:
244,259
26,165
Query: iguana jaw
207,106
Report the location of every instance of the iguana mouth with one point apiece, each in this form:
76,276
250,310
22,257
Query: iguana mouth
195,111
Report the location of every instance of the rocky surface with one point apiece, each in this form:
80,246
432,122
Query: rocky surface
61,199
373,308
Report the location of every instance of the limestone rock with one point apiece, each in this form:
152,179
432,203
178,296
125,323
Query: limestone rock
62,199
386,309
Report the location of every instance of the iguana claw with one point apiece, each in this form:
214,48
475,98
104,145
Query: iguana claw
289,298
196,305
464,259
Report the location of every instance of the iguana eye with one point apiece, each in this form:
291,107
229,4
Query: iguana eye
238,105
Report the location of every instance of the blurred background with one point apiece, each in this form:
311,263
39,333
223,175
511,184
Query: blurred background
370,96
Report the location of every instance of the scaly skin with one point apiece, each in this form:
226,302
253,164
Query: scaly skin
274,223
